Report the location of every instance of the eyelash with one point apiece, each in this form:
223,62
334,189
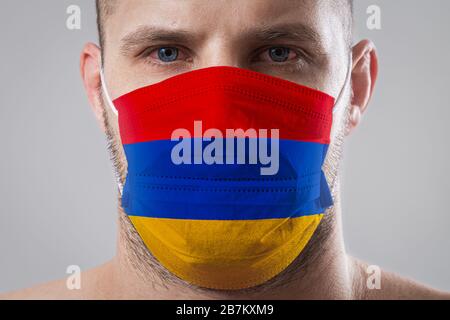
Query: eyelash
148,52
295,64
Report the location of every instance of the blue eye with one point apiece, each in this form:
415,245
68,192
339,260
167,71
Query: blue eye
168,54
279,54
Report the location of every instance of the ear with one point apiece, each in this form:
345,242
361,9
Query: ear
364,76
90,74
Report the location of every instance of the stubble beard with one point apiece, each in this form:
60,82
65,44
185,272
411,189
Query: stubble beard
150,271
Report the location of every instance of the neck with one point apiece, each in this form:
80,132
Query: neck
330,275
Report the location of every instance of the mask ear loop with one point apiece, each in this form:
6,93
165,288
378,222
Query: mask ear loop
105,92
347,80
338,100
114,110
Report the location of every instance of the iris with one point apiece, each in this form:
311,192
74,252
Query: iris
279,54
168,54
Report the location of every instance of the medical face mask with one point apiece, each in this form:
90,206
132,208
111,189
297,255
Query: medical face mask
225,183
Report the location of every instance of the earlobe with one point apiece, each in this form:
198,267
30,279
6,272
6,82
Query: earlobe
364,76
90,74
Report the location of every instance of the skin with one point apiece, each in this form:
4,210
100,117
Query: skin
225,35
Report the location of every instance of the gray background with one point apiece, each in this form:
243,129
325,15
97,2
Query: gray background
57,190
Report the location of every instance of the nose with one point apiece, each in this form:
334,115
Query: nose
220,52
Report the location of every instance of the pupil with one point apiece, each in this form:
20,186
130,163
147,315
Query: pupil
168,54
279,54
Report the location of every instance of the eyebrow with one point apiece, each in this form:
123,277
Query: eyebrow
145,35
297,32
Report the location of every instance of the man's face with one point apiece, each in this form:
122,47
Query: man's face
303,41
145,42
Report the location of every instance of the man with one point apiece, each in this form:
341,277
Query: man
307,42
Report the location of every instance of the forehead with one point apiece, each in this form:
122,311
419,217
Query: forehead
229,18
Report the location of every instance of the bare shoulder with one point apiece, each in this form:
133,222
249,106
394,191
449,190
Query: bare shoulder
59,290
49,291
395,287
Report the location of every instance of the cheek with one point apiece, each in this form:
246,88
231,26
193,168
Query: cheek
340,117
124,78
120,152
115,145
320,76
124,75
334,155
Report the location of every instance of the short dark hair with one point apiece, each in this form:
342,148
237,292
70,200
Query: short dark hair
106,7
